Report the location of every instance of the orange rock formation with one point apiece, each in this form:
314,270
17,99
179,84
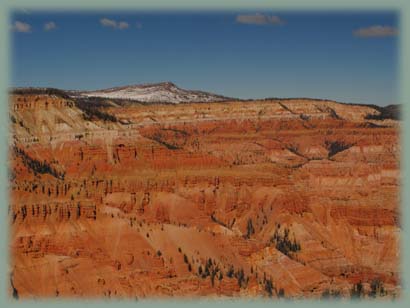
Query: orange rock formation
294,198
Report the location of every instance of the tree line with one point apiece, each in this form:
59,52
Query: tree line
37,166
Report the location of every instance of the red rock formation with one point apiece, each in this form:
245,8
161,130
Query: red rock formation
135,208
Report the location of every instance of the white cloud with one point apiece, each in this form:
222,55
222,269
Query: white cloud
20,26
259,19
121,25
376,31
50,26
108,22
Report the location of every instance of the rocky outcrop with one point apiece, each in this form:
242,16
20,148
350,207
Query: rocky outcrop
135,207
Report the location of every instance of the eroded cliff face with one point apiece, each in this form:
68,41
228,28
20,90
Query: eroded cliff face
294,198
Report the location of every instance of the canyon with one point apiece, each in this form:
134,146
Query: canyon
277,198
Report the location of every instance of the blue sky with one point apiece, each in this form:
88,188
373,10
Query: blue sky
350,57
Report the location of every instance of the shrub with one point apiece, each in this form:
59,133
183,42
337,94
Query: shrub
335,147
281,293
91,109
376,288
269,287
328,294
37,166
283,243
249,228
230,271
357,291
240,276
39,91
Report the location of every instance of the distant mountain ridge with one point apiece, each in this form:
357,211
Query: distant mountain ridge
168,92
163,92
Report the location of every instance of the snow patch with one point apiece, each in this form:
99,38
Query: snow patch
165,92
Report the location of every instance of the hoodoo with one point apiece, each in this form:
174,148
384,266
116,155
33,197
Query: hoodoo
113,195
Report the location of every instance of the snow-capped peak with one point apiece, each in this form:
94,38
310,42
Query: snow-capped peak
163,92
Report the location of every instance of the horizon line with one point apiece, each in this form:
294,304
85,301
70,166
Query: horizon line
11,89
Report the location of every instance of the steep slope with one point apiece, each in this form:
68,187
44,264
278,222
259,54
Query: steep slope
295,198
